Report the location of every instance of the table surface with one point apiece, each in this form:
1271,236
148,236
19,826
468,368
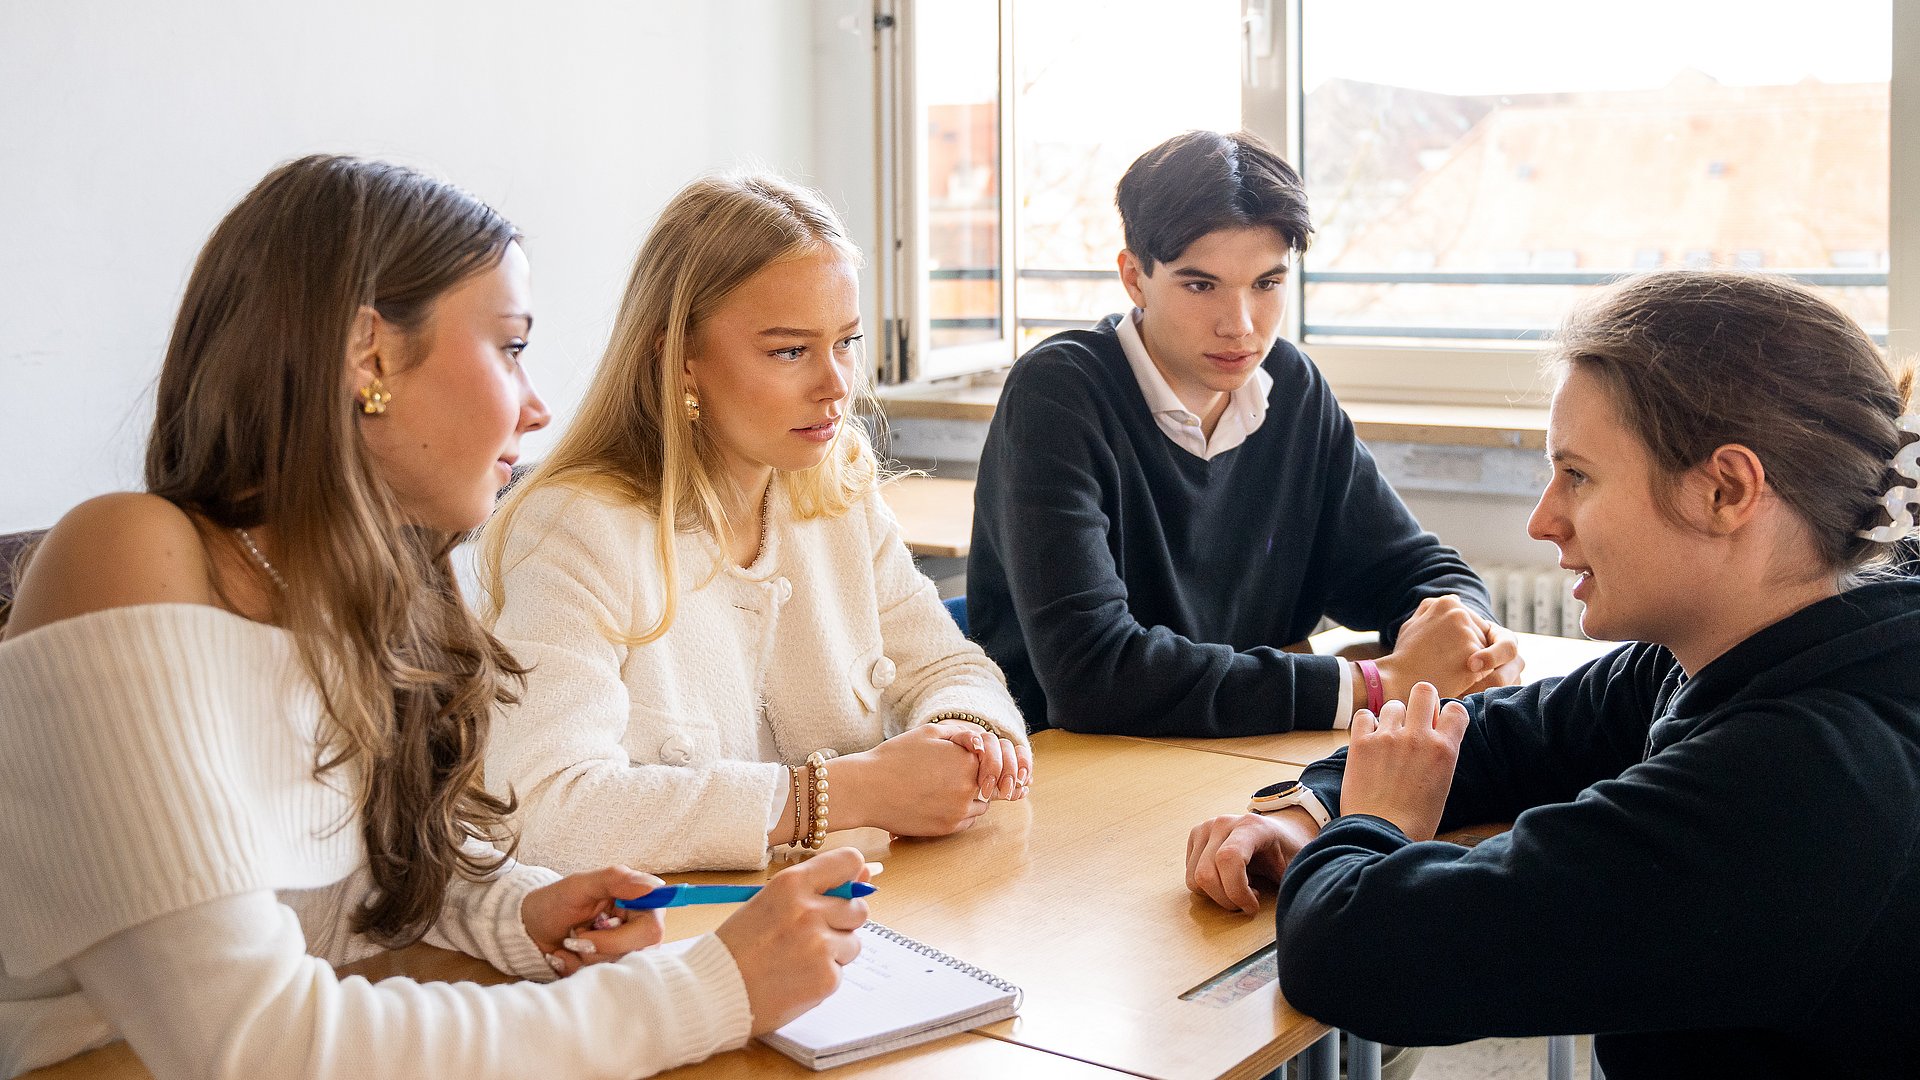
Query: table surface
1075,894
935,514
957,1057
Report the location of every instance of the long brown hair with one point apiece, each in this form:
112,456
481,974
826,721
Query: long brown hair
255,424
1697,359
631,436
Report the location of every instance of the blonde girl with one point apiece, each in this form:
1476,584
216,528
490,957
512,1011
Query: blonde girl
708,588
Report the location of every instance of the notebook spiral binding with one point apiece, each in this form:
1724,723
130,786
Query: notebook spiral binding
932,953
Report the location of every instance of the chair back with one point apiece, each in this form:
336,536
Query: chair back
957,607
12,547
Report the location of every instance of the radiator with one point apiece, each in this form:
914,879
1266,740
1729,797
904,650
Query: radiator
1534,599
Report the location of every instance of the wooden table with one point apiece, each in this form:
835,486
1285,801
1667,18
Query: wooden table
1546,657
935,513
959,1057
1075,894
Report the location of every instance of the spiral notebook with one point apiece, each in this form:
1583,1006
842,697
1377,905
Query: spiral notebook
899,993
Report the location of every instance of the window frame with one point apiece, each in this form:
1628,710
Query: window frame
907,354
1272,102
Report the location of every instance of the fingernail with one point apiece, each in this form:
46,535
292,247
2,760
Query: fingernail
580,945
604,921
875,869
1024,777
977,744
554,962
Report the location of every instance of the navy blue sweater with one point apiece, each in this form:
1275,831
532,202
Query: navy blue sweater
1721,875
1129,587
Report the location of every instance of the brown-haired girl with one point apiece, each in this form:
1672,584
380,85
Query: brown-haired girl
712,596
243,713
1715,856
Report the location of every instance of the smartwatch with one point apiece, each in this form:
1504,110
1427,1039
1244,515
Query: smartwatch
1277,797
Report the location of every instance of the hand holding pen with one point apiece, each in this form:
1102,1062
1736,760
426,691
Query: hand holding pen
604,914
790,940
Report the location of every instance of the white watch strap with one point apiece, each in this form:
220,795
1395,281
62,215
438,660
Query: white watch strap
1311,803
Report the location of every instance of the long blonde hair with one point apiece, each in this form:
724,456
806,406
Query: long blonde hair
254,425
631,437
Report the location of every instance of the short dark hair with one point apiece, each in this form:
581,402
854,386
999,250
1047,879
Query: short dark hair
1201,181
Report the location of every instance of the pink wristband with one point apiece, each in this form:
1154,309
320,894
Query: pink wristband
1376,693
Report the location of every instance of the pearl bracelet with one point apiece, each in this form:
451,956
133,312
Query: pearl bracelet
816,800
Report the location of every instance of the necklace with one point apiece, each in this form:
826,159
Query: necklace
278,581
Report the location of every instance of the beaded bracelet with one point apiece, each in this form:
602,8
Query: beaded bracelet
965,718
816,800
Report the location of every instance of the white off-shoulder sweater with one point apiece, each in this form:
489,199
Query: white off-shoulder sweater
171,872
671,755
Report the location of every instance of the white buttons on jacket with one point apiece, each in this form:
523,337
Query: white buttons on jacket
883,672
782,590
675,751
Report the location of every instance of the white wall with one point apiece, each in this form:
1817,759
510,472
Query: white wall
127,129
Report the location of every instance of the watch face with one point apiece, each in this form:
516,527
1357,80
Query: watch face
1276,797
1279,790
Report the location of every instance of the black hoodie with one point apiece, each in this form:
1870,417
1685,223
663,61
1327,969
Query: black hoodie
1719,875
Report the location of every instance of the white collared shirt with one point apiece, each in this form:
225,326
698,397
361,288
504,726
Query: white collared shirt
1246,407
1246,411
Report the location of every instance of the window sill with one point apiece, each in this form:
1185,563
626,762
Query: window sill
1499,426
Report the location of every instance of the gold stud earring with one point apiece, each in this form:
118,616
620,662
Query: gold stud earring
374,397
693,406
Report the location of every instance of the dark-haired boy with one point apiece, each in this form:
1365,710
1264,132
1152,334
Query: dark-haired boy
1168,499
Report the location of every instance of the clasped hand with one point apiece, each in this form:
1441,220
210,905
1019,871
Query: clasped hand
1457,649
931,780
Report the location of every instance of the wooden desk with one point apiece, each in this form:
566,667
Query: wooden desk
936,514
1074,894
959,1057
1547,657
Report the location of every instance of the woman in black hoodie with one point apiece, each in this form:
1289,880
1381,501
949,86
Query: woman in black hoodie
1715,855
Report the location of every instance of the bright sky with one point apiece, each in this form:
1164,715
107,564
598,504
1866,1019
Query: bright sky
1142,52
1530,46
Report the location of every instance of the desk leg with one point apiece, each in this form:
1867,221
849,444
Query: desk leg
1363,1059
1321,1061
1560,1057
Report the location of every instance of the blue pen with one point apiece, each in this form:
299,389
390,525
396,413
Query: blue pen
688,895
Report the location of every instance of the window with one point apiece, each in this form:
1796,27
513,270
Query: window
1473,173
1014,121
1535,152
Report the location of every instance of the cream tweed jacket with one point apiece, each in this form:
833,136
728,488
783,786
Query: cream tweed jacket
670,756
